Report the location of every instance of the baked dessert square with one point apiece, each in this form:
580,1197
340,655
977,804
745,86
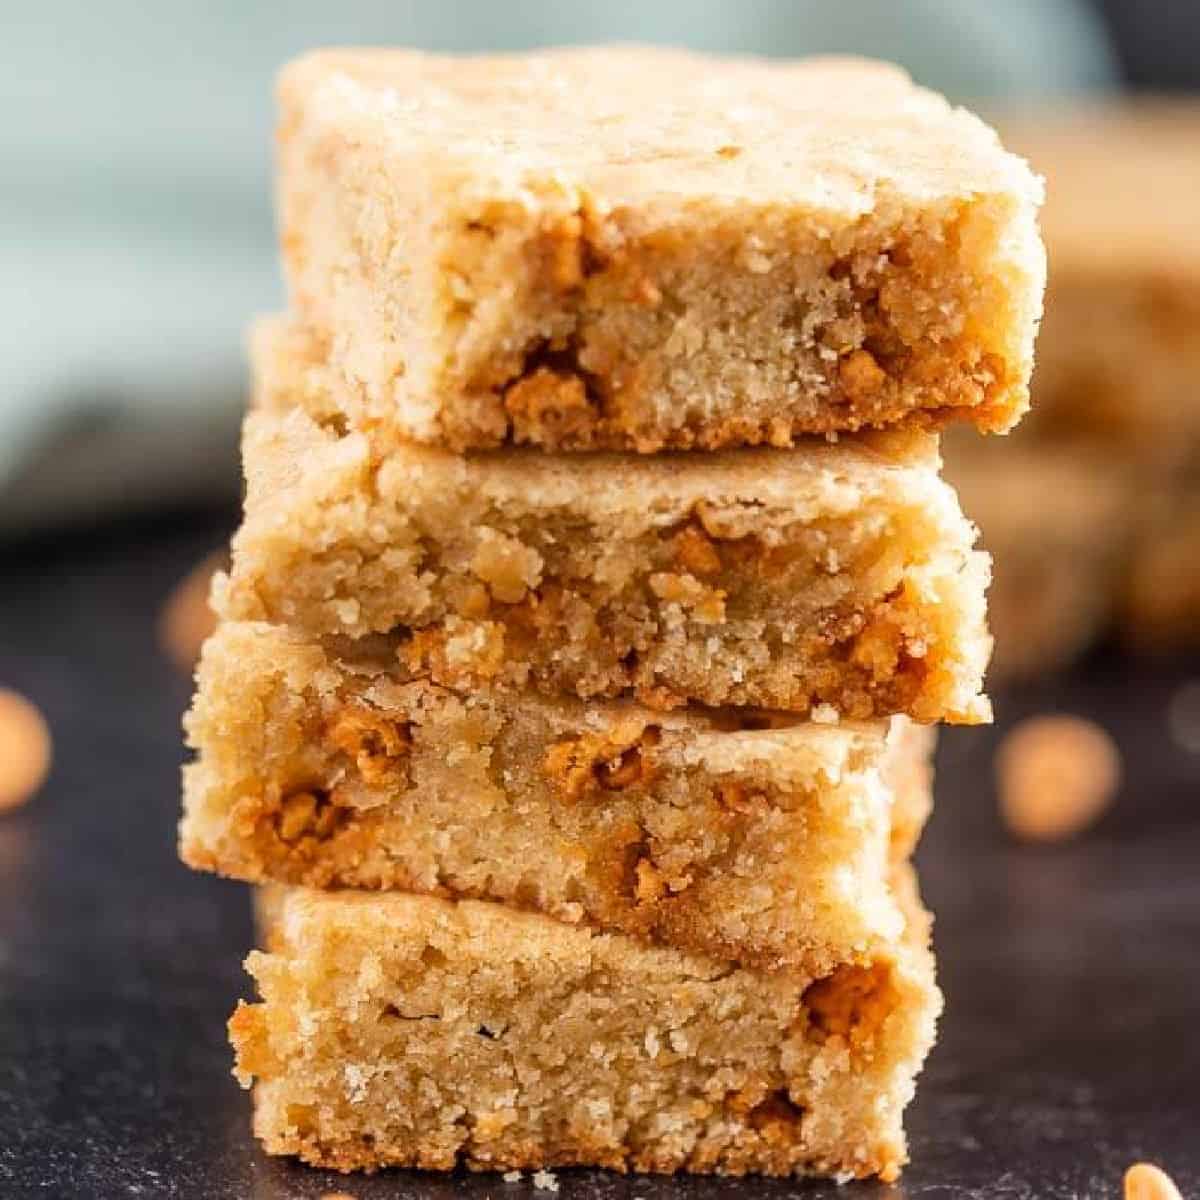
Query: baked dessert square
1160,602
738,833
637,249
838,574
399,1030
1059,522
1119,354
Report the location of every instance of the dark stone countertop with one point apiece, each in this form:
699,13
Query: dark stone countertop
1069,1048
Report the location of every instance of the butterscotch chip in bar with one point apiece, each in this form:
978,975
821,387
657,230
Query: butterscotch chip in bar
839,575
635,248
399,1030
740,833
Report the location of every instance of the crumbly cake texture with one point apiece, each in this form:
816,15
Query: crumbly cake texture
1060,524
1119,353
634,248
833,574
398,1030
736,833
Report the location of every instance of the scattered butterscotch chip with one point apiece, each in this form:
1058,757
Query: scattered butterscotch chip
24,749
336,1196
187,619
1056,775
1144,1181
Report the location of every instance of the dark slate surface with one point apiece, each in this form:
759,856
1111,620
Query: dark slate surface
1068,1050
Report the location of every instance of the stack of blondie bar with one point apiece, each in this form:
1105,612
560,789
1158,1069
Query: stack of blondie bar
596,588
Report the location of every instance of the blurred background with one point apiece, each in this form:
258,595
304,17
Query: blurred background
136,241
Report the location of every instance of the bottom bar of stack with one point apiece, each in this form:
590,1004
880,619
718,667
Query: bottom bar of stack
401,1030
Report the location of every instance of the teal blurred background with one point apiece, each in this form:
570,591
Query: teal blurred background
135,217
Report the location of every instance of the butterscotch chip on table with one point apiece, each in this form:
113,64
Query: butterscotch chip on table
1145,1181
842,575
1056,775
632,248
398,1030
25,749
738,833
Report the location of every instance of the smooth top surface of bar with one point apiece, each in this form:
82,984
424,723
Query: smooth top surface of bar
637,122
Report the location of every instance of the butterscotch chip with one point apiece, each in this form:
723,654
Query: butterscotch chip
1056,775
187,619
24,749
861,375
1144,1181
546,405
695,551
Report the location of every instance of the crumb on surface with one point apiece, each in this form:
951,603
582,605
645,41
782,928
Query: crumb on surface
1055,776
1145,1181
545,1181
187,619
512,1176
25,749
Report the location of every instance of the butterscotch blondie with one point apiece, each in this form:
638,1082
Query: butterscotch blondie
634,248
1119,355
836,574
1059,526
399,1030
739,833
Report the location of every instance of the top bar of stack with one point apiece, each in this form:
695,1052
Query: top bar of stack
644,249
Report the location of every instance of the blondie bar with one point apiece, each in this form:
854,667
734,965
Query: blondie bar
838,574
411,1031
1119,355
1160,604
634,248
1059,523
732,832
